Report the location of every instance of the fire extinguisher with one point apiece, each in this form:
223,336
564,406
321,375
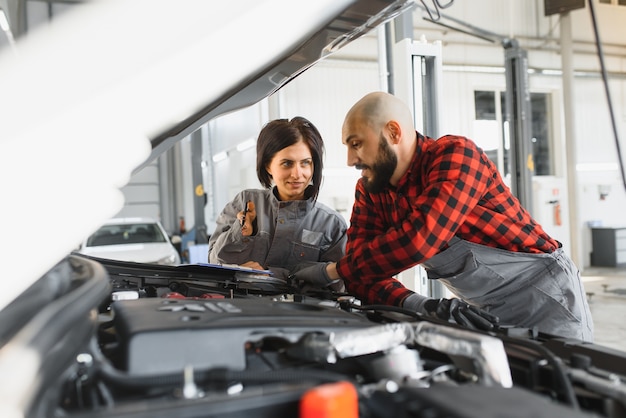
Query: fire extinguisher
557,213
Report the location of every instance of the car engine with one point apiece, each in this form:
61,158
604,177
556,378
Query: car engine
196,341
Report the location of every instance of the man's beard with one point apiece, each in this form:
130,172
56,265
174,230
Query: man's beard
382,169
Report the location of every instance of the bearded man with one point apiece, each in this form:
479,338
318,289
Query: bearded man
442,204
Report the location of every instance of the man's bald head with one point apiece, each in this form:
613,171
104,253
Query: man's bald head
378,108
381,140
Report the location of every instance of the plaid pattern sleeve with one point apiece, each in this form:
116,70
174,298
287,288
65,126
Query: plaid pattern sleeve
452,188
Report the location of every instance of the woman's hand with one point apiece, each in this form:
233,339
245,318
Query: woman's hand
246,219
253,265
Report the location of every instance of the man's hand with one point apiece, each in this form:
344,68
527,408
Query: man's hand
462,313
317,275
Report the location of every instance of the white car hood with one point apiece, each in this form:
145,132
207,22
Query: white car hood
102,89
138,253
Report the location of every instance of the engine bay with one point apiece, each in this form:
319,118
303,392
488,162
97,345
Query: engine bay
188,342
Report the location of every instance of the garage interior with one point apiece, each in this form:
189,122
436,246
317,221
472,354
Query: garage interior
576,190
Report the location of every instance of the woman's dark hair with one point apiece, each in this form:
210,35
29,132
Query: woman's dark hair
282,133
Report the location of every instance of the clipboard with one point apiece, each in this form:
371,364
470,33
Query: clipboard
234,267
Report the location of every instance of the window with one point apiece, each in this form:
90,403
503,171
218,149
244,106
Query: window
486,126
126,234
614,2
540,134
491,130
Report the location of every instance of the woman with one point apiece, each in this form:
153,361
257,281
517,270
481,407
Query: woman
282,228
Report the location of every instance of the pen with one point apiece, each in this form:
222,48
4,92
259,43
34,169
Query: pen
243,219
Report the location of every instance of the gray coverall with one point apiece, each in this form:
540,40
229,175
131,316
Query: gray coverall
522,289
288,233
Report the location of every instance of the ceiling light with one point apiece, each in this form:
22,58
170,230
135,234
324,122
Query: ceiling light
220,156
247,144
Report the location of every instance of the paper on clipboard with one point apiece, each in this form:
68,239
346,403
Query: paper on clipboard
235,267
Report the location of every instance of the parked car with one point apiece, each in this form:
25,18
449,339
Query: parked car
88,338
142,240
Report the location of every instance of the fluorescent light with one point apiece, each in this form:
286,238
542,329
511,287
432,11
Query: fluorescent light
220,156
551,72
247,144
6,28
4,22
596,167
474,69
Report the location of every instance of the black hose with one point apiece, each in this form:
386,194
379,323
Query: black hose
606,89
218,375
559,371
389,308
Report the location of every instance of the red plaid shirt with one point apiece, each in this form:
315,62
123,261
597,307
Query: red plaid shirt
451,188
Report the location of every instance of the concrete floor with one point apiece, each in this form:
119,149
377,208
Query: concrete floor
606,293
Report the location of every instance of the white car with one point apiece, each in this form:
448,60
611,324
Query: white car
140,240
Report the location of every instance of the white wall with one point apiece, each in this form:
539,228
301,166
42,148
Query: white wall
141,194
324,94
326,91
597,158
238,171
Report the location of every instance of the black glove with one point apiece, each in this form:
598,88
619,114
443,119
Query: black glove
315,275
462,313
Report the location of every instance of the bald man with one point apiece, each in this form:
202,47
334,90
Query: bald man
443,204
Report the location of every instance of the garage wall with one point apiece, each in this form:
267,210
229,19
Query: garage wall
141,194
233,167
323,95
326,91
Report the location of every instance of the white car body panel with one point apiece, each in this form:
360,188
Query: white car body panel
73,142
134,251
137,253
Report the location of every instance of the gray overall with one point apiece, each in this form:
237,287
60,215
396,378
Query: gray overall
522,289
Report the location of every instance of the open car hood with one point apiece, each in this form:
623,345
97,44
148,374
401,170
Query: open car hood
106,88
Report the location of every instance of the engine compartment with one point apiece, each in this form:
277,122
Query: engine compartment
196,343
161,335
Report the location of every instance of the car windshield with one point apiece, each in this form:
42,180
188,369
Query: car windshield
126,234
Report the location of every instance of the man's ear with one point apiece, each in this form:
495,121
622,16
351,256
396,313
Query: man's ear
395,131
